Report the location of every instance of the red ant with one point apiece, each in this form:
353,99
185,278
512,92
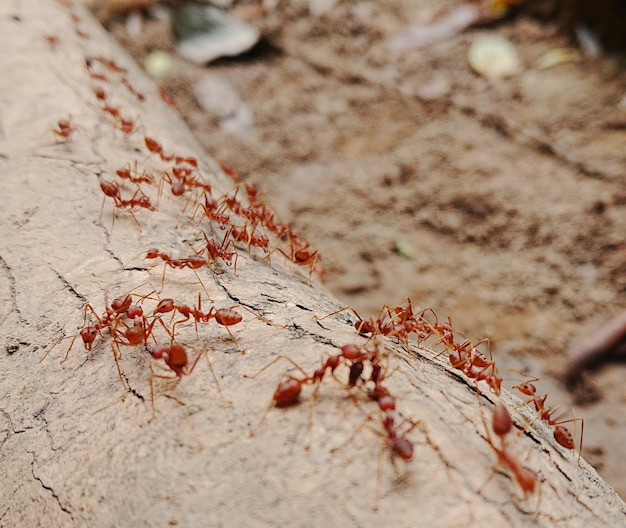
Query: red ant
192,262
378,326
561,434
113,111
112,319
140,97
396,440
134,176
394,434
175,357
229,171
167,98
288,390
242,235
52,40
100,94
223,316
98,76
79,32
183,179
155,148
474,364
64,129
127,126
110,65
502,425
220,251
112,190
179,160
210,209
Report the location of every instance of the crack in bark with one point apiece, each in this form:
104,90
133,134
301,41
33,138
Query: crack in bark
12,292
49,488
133,391
79,296
12,428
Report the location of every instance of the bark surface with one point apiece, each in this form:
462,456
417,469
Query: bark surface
78,445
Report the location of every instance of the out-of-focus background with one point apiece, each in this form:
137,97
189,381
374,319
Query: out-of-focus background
468,155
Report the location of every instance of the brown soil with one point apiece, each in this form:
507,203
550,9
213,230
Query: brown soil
510,195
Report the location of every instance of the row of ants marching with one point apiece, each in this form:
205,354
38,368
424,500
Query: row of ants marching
365,366
242,217
402,322
250,222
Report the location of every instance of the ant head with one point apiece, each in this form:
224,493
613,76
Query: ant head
88,334
164,306
134,311
121,305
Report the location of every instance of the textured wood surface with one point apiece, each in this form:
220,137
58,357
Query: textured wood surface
80,449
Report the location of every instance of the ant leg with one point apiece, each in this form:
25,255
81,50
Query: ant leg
153,375
273,362
259,317
133,215
116,356
345,308
217,383
56,343
149,332
363,425
163,277
201,283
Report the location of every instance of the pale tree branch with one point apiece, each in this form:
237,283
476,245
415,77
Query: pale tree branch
80,443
